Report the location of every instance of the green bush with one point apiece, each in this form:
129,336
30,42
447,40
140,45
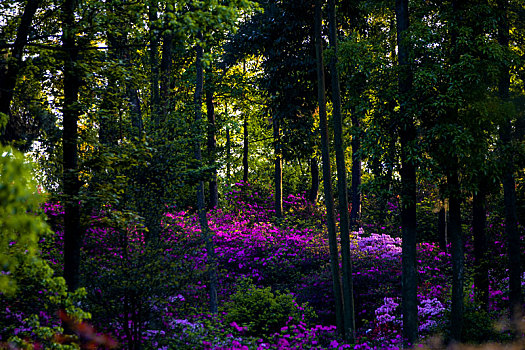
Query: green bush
479,327
30,293
263,312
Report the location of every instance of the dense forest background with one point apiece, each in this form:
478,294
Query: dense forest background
261,174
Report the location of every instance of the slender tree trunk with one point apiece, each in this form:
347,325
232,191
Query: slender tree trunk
481,259
154,62
313,193
407,136
245,149
355,186
135,111
442,228
457,251
8,76
355,189
454,195
71,183
509,183
165,76
205,230
327,178
212,149
228,157
342,188
278,172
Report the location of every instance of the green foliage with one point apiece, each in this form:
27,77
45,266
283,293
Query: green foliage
20,227
30,293
262,311
480,326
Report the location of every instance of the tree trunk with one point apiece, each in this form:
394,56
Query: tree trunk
9,75
355,189
407,136
154,63
165,77
228,157
457,251
212,149
509,183
327,180
481,258
245,149
342,188
278,172
71,183
313,193
203,220
135,111
442,228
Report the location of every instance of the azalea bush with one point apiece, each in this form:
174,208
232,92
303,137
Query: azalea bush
155,294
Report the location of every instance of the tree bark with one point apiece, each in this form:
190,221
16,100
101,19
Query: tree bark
454,195
70,114
442,228
509,183
342,188
212,149
228,156
457,251
355,189
313,193
9,75
245,149
327,180
154,63
481,259
165,77
278,171
407,136
203,220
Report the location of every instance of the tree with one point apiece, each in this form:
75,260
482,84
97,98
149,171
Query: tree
407,136
70,114
9,74
509,184
327,173
342,188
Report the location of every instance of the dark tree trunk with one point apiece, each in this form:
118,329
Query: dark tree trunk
165,75
454,195
342,189
407,136
327,180
245,150
228,157
278,171
355,189
313,193
71,183
442,228
154,63
481,258
203,220
212,149
457,251
135,111
509,183
9,74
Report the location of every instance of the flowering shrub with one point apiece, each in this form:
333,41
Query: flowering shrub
156,295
